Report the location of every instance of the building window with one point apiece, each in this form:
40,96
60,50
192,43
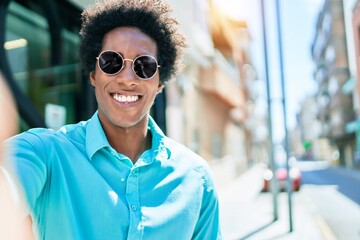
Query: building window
29,52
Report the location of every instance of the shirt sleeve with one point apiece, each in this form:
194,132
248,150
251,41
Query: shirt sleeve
26,156
208,225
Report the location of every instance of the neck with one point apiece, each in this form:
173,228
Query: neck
131,142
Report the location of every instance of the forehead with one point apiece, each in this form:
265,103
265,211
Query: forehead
129,38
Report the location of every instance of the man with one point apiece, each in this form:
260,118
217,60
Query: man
116,176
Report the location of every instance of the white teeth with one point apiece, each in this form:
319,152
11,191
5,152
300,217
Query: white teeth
125,99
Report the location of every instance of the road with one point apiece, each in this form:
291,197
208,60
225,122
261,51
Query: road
321,210
334,194
347,181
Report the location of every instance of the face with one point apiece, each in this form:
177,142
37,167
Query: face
124,100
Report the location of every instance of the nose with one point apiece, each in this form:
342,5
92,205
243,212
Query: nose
127,75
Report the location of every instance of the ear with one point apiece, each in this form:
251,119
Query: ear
92,78
160,87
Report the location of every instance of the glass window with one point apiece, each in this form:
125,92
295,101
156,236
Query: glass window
28,48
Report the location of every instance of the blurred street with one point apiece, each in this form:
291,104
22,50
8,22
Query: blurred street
320,211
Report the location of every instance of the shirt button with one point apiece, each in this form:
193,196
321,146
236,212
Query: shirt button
133,207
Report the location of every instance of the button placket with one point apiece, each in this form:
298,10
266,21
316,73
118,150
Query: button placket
132,189
132,197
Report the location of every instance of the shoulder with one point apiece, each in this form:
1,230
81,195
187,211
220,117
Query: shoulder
180,151
33,136
190,160
38,137
28,144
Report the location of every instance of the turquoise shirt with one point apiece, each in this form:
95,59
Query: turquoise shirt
79,187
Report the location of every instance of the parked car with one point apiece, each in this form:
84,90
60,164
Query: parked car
281,175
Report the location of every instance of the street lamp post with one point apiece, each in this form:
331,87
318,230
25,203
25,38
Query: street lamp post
269,119
286,142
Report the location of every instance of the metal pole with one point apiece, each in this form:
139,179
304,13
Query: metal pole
286,142
274,188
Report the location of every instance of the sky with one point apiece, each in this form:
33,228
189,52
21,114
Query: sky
298,25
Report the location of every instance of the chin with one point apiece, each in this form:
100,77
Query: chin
126,123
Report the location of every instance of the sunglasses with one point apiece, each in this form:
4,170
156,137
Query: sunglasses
111,63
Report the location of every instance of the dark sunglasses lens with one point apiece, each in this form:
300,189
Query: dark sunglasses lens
145,67
110,62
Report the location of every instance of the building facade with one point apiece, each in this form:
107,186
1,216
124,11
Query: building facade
208,105
354,35
335,107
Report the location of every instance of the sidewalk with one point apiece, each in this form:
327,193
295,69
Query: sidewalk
246,213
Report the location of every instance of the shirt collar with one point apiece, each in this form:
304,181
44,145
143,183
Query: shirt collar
96,139
159,147
95,136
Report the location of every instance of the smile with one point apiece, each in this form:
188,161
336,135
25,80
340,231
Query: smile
125,99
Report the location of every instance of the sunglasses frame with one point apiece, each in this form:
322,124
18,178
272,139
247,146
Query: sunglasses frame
123,64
